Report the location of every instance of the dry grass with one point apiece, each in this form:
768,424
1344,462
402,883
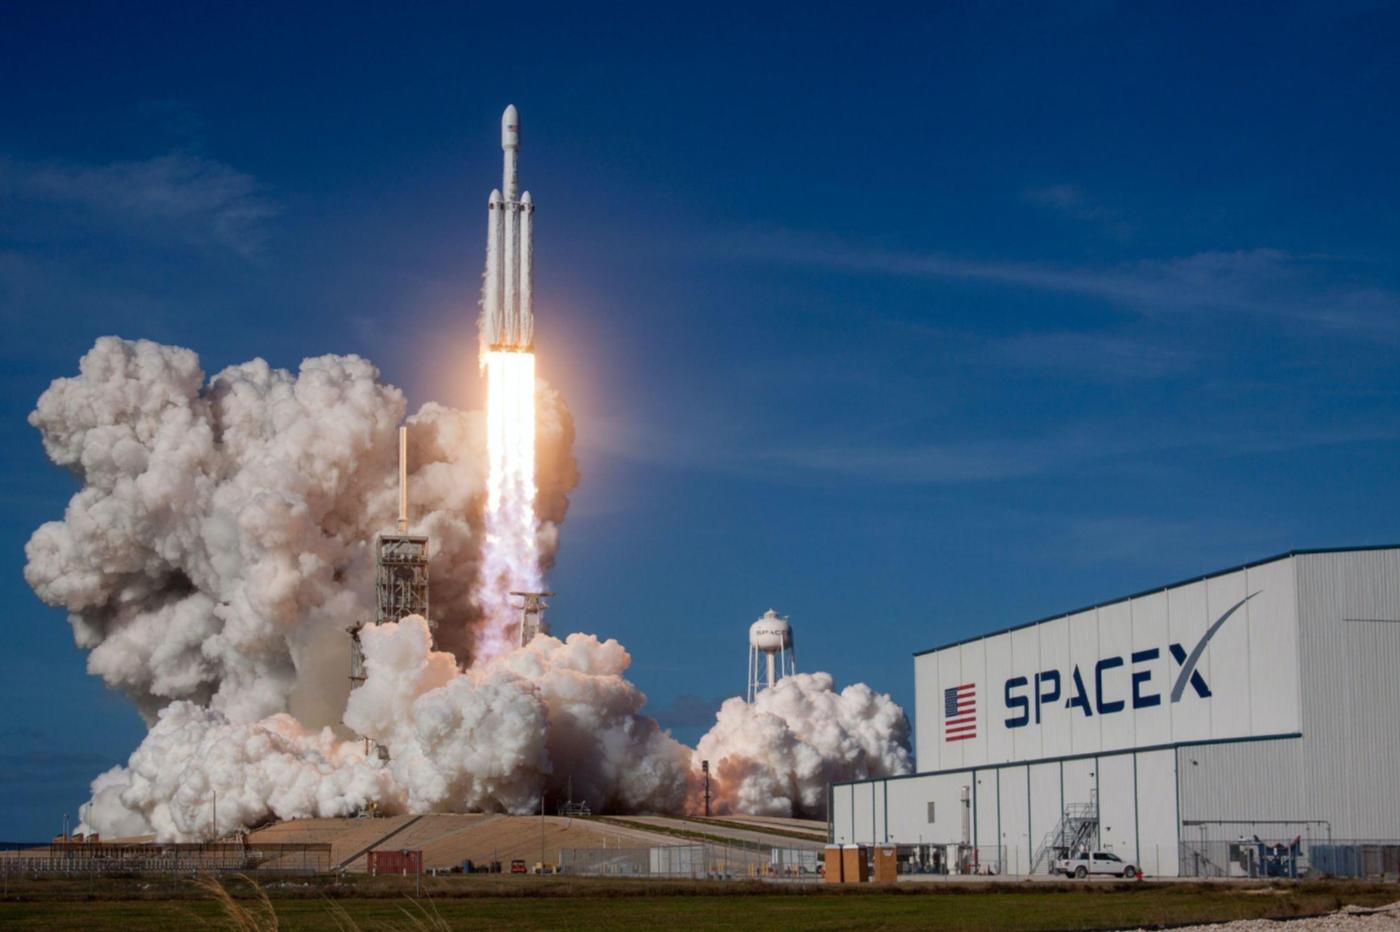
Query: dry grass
237,917
418,915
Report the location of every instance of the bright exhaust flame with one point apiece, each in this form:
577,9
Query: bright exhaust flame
510,561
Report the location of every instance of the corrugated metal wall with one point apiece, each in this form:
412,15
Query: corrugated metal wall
1345,769
1349,607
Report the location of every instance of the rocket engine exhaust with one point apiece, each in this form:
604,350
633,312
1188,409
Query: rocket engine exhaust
510,558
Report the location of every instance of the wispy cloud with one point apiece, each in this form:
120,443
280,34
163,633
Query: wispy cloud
1098,355
1266,283
1072,201
185,196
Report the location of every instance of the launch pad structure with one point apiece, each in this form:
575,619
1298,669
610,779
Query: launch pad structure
532,620
400,576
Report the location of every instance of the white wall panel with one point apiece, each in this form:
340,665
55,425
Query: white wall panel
863,829
987,809
928,712
1046,808
1015,820
908,807
1225,663
1157,813
1118,805
842,814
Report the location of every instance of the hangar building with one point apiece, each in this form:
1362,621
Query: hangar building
1262,700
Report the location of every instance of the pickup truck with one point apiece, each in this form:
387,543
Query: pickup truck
1093,862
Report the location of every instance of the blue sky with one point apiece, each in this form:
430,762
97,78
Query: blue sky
911,325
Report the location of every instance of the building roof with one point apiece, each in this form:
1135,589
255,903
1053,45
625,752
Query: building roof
1172,585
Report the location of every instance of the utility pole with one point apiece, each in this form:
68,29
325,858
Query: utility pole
541,831
705,766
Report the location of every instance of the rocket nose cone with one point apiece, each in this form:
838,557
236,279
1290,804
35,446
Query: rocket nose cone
495,197
526,199
510,127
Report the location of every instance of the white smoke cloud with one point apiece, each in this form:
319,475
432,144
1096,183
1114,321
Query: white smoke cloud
613,756
221,541
195,763
490,738
777,755
221,544
472,740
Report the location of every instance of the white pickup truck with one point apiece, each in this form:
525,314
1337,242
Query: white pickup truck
1093,862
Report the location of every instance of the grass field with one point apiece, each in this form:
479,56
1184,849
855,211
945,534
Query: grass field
534,903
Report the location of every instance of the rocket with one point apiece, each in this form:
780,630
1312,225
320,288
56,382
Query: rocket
508,295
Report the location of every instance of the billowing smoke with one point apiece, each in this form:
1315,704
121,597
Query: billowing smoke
221,544
483,739
195,765
777,755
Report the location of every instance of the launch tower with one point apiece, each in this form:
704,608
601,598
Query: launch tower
400,575
532,615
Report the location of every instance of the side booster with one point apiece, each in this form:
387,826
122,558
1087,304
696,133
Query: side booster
508,294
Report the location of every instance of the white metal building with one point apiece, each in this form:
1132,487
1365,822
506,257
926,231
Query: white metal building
1260,700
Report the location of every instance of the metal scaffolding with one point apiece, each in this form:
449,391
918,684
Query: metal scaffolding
532,620
400,577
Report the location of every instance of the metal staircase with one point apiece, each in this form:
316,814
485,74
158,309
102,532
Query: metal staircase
1076,829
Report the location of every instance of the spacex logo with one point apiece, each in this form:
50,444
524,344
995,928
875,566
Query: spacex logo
1028,697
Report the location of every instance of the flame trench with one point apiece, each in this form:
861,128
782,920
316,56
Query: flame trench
510,560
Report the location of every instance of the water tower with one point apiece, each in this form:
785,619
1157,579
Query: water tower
771,656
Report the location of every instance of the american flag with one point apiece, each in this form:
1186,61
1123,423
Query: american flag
960,712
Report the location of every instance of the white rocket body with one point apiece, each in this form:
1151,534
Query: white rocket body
508,293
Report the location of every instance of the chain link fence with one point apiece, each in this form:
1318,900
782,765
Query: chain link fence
82,858
1351,858
695,861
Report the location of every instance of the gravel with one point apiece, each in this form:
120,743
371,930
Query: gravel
1349,918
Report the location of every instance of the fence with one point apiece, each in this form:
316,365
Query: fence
952,859
697,861
1367,858
99,858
